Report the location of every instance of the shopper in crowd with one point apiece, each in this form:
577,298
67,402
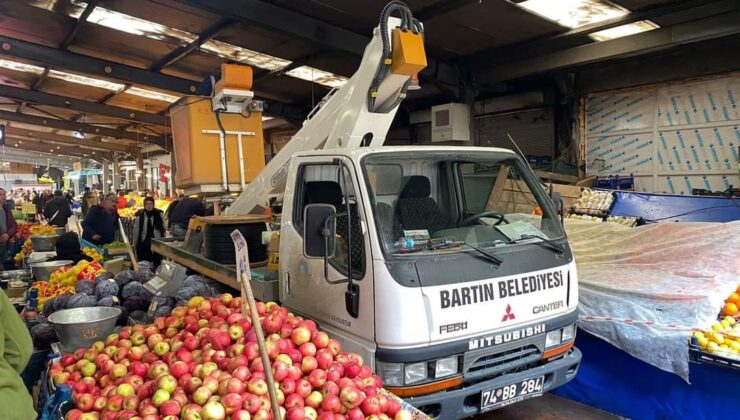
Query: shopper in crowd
170,208
70,196
16,347
149,224
8,227
38,201
122,201
186,208
101,222
68,248
89,200
57,210
48,196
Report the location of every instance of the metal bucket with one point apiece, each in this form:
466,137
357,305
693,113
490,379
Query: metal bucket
61,230
80,327
44,243
42,271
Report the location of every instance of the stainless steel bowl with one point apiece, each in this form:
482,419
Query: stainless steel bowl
61,230
42,271
80,327
44,243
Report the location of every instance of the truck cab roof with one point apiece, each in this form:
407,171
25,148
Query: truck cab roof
358,153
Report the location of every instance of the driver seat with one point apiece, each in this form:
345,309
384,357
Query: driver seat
416,209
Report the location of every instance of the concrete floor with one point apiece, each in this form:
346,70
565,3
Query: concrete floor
548,407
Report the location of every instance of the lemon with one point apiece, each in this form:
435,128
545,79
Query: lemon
712,347
718,338
730,320
725,325
698,334
717,327
195,301
734,346
724,346
703,341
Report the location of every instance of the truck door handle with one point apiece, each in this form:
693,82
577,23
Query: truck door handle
287,283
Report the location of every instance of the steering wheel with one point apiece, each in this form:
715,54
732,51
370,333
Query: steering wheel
475,217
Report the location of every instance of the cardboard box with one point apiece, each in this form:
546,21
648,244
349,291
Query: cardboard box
16,289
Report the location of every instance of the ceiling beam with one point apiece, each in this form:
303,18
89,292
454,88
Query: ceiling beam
276,18
94,66
114,147
11,154
63,151
86,128
182,51
22,141
658,39
91,4
108,69
690,9
440,8
41,98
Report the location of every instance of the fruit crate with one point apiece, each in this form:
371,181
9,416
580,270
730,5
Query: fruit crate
699,356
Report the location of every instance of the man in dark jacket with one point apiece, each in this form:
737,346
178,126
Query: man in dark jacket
186,208
57,210
101,222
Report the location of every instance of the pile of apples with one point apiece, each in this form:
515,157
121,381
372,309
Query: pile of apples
203,362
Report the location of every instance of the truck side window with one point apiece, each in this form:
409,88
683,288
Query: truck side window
323,184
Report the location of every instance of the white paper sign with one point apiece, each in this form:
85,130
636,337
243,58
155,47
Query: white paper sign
242,255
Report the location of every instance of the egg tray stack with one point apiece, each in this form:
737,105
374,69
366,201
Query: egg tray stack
593,203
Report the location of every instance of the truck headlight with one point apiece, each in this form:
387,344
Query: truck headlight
569,332
445,367
392,373
415,372
552,338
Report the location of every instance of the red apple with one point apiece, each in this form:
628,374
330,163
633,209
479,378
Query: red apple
115,403
279,371
296,413
335,346
130,402
324,358
252,402
331,404
160,397
314,399
350,397
178,369
317,378
257,386
241,373
303,388
170,408
232,402
213,410
330,388
370,406
308,364
201,395
320,339
300,335
307,349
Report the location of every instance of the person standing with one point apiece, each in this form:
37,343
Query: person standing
8,227
122,202
101,222
57,210
87,201
16,347
180,216
149,224
70,196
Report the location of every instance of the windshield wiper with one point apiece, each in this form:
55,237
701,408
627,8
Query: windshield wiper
488,255
544,242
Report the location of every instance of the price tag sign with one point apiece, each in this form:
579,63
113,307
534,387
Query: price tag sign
242,263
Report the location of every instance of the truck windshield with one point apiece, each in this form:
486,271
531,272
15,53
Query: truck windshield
440,202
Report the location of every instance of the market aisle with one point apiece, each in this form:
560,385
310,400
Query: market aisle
548,407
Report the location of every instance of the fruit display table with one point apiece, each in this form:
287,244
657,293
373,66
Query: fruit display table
612,380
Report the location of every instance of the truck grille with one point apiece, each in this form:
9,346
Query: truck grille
493,364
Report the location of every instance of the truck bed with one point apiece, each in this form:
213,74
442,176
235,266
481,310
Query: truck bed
171,248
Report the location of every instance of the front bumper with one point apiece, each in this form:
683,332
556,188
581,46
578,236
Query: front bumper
465,402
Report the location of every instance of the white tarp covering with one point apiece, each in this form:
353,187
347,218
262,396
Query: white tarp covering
643,289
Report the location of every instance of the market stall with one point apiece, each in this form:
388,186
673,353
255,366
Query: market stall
658,299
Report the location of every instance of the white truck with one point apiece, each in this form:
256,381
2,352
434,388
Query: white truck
412,257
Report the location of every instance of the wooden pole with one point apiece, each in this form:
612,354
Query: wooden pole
131,254
246,287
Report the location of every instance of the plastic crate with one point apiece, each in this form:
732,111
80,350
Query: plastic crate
699,356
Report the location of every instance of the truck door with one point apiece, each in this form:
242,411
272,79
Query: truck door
304,288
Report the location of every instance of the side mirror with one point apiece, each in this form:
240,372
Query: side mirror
319,230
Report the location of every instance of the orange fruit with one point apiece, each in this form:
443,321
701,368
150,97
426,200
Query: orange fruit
734,298
738,288
730,309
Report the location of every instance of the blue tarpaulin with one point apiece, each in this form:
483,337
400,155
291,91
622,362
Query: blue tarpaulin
675,208
612,380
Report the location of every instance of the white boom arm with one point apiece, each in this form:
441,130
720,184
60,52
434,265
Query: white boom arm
341,120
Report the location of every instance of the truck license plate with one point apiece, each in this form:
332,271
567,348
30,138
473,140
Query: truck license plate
500,397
